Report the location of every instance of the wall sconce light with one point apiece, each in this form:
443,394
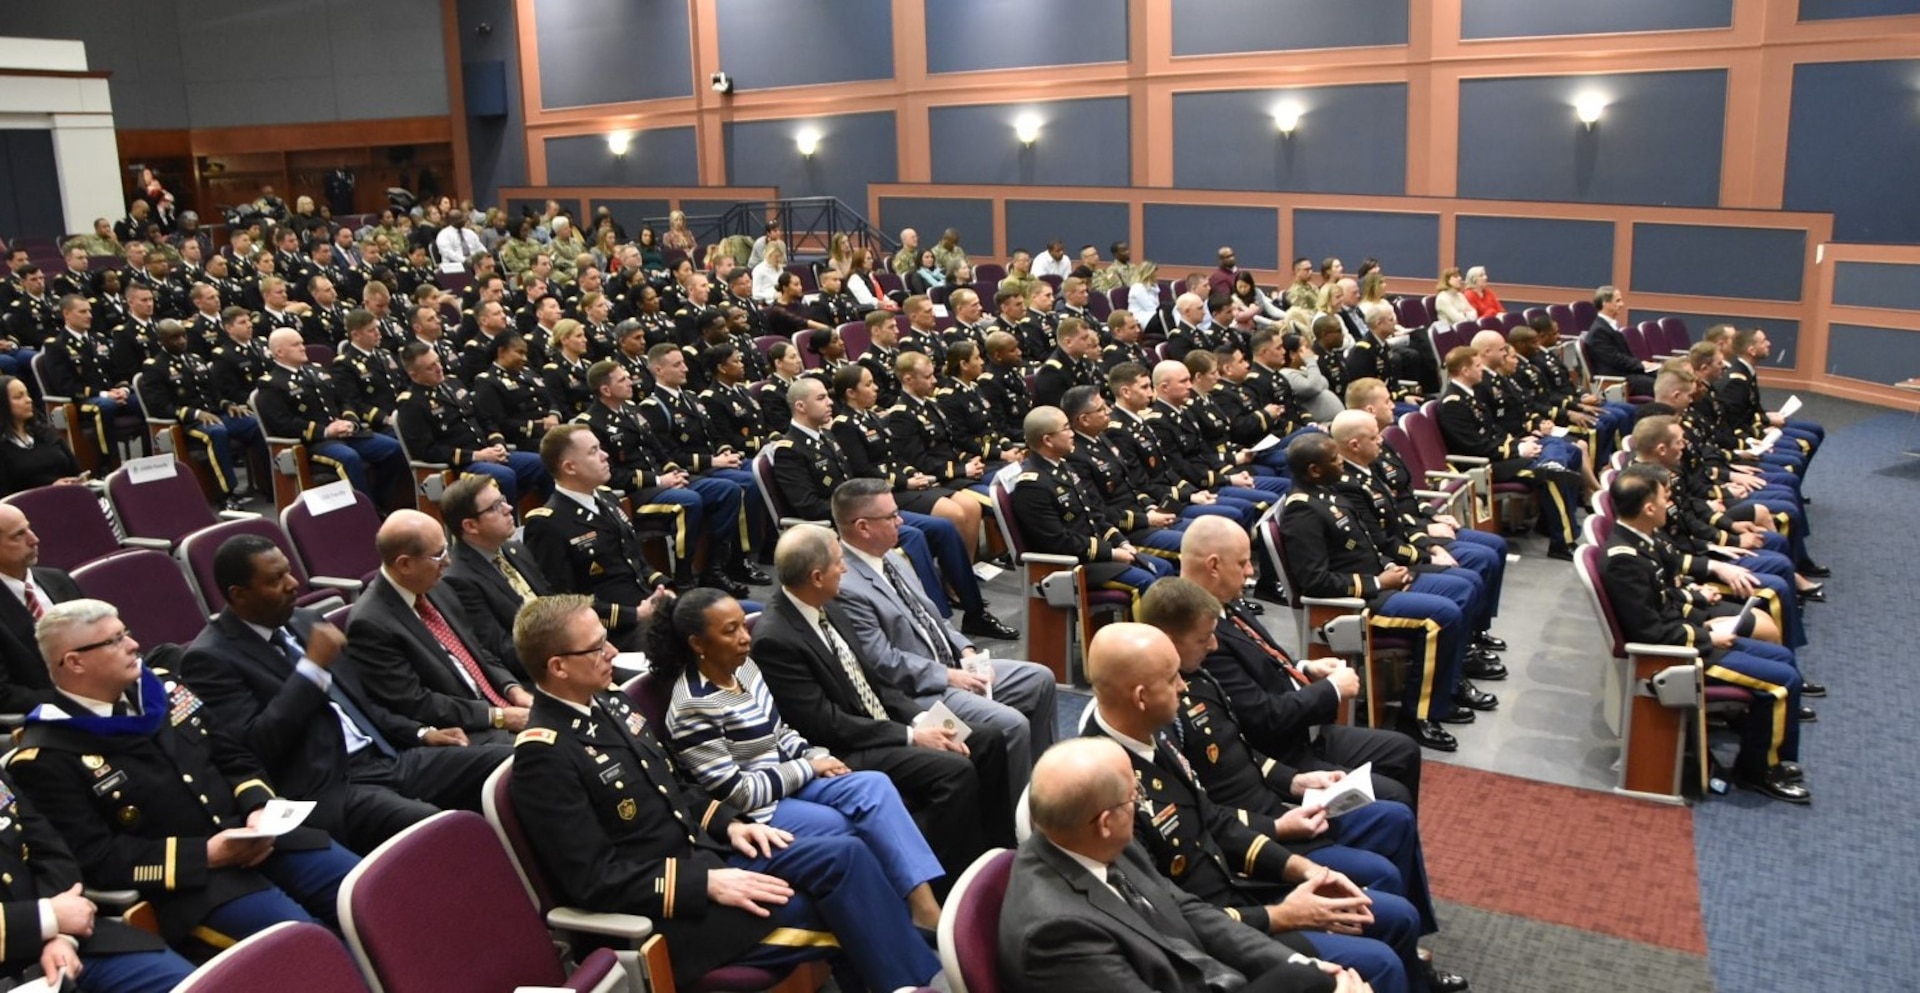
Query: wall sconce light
721,83
807,142
617,142
1587,107
1286,117
1027,128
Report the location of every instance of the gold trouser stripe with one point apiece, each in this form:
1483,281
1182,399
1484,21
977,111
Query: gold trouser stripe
99,426
212,937
679,524
793,937
213,459
1566,519
1253,854
1775,690
1430,654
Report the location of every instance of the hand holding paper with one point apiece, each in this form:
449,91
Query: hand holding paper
1353,791
275,819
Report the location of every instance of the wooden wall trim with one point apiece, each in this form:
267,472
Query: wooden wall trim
327,134
456,99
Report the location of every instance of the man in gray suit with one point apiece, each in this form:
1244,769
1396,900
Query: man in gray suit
897,630
1086,912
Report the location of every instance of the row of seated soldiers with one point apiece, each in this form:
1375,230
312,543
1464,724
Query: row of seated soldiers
144,773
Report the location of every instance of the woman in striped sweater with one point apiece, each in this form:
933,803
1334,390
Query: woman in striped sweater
723,725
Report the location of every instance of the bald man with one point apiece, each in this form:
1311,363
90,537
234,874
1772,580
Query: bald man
1135,671
299,401
416,653
1086,912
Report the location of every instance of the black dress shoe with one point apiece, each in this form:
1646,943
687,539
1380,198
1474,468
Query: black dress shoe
1815,570
1812,594
982,624
1430,735
1459,715
1269,592
1484,665
1250,606
1810,688
1488,642
746,573
1442,982
1791,771
233,502
1777,785
731,587
1807,716
1561,552
1474,698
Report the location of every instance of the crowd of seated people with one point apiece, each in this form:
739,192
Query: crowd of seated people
618,395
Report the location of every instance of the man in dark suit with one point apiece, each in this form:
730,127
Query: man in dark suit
413,647
1086,912
803,645
617,827
30,590
274,678
492,574
1288,710
1607,351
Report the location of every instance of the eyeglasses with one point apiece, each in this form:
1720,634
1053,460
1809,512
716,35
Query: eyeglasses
894,517
598,648
440,557
501,507
115,640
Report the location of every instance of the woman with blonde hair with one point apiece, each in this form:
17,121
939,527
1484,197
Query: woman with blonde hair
1143,297
1449,304
678,238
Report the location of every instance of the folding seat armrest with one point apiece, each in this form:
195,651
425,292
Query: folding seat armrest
1336,602
344,585
630,927
787,522
1042,558
238,515
1467,460
112,901
1661,651
157,544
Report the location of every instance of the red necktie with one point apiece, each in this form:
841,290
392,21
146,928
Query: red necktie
34,606
1279,656
437,624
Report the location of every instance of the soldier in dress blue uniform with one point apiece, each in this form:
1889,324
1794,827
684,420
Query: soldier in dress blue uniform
1469,429
619,827
179,384
1069,364
678,417
582,540
79,365
129,769
239,359
1060,512
440,423
368,376
1119,484
1175,421
1133,434
509,399
736,414
297,401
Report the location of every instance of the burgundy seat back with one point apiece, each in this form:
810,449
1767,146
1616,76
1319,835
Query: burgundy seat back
70,523
1101,305
970,928
156,602
1586,560
497,801
1673,335
1563,316
449,860
290,957
989,272
338,543
196,550
855,337
1584,314
167,507
651,693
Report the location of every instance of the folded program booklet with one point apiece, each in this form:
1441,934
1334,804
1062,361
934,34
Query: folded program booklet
1353,791
939,715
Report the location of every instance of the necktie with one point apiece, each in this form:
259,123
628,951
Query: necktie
514,579
852,668
437,625
355,727
1128,892
34,606
1279,658
1216,974
922,620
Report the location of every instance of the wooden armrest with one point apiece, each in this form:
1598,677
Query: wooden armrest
631,927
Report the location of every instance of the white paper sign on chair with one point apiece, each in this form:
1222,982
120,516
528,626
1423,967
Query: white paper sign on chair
329,498
152,467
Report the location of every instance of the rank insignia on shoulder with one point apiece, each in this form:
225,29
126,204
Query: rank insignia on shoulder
540,512
543,736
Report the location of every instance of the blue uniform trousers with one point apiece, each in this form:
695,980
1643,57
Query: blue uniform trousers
132,972
1486,554
521,473
756,531
866,806
1145,570
218,440
840,888
305,888
1438,632
355,456
1381,841
1770,733
942,544
1385,954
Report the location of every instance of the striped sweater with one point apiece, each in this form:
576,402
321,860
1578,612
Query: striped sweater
735,743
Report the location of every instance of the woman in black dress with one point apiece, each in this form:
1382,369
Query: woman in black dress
31,454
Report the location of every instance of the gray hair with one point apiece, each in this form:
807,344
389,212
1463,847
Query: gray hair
1476,272
52,630
802,551
1375,310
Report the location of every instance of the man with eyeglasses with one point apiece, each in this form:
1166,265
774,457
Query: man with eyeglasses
413,647
149,798
492,574
266,670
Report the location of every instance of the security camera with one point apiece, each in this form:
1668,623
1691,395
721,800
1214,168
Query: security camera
721,83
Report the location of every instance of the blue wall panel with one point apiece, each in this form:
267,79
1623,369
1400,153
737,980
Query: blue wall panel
1011,34
1851,146
496,146
661,157
1181,237
1405,244
1536,251
931,215
766,43
631,214
854,150
1877,355
1696,260
609,51
1033,223
1876,284
1657,143
1219,27
1532,18
1782,334
1327,153
1823,10
1081,143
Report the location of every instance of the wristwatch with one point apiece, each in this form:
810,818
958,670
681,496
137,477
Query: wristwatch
421,734
498,716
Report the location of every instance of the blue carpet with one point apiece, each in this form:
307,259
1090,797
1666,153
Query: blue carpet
1828,897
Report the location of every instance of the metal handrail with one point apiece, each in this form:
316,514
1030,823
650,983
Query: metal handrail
810,223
